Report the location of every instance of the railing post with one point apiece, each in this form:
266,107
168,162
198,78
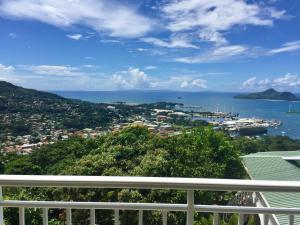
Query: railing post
45,216
291,219
69,216
1,208
21,216
165,217
92,217
241,219
266,219
117,217
216,219
190,209
140,217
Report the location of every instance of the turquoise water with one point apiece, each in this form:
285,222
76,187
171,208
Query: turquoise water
208,100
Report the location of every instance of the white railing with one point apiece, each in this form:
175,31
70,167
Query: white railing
188,184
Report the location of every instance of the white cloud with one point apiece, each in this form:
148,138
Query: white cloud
287,47
110,41
182,82
276,14
224,53
150,67
217,15
110,17
52,70
142,49
75,36
198,83
7,74
176,41
90,66
10,79
211,18
286,82
250,83
133,78
212,36
264,83
289,80
86,77
218,54
5,69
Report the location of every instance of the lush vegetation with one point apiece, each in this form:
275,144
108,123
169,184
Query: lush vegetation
20,108
266,144
135,152
31,112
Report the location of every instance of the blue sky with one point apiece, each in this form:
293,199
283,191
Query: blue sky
187,45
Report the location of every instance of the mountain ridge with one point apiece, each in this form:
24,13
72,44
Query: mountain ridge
269,94
9,89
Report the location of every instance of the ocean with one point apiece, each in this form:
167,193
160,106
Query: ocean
211,101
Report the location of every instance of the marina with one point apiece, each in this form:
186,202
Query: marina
236,125
228,120
208,102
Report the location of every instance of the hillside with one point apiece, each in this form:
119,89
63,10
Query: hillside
31,112
10,90
31,118
270,94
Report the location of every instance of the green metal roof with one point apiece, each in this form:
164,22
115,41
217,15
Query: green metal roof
272,166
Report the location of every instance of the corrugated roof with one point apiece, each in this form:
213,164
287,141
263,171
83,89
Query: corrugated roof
272,166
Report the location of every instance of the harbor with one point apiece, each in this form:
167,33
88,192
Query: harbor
242,123
230,121
209,102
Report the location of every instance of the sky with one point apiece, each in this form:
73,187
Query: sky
182,45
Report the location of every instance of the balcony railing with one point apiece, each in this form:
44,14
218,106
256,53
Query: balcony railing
188,184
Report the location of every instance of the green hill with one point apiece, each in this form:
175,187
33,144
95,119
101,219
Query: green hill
270,94
10,90
26,111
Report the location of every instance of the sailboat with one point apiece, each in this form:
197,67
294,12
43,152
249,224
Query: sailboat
291,111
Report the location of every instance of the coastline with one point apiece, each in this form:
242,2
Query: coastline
210,101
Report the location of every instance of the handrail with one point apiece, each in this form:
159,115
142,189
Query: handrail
190,185
148,206
149,183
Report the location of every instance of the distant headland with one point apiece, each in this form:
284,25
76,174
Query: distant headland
270,94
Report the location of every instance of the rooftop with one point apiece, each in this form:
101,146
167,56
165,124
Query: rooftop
281,166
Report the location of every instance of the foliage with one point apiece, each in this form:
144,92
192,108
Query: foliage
21,108
266,144
134,151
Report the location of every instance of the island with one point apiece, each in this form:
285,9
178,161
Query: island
30,119
270,94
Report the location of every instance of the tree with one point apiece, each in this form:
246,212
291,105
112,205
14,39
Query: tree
135,151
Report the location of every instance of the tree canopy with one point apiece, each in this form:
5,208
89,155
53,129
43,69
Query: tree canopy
134,151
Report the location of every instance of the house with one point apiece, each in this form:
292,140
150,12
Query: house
279,166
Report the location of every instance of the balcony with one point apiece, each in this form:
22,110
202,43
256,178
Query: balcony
188,184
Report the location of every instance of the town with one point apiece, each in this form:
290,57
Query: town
166,120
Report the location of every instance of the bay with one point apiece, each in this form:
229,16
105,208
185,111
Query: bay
210,101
